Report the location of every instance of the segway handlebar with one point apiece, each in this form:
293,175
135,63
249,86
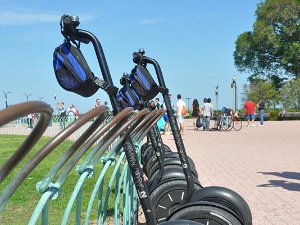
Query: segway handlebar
140,58
69,30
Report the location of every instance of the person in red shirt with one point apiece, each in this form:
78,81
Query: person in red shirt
250,110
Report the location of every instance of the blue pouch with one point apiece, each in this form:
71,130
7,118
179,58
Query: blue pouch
72,71
143,83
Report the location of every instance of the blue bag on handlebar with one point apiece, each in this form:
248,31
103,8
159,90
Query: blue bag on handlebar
72,71
128,98
143,83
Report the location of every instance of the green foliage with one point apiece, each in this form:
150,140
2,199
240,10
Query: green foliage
273,45
290,94
260,90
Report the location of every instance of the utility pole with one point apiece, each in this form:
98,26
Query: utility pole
27,96
5,96
40,98
188,99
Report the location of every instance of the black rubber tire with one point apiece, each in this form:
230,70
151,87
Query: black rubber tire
170,162
168,196
226,197
238,124
206,213
169,174
149,152
156,173
181,222
151,161
226,126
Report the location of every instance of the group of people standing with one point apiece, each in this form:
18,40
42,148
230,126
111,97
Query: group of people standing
66,115
207,110
250,108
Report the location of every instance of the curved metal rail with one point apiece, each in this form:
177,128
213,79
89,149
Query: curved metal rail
40,155
113,133
17,111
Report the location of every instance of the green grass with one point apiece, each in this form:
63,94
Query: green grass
23,202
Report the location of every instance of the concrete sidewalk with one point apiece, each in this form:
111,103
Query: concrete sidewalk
262,164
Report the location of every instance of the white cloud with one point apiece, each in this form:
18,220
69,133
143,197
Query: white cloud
25,18
9,18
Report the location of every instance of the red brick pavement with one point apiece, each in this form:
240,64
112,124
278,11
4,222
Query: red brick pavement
262,164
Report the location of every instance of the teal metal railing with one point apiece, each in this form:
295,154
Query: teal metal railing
96,151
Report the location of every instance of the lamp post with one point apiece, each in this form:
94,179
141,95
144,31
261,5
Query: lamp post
217,93
233,86
188,99
5,96
40,98
27,96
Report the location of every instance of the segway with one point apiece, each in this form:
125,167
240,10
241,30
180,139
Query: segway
216,196
69,30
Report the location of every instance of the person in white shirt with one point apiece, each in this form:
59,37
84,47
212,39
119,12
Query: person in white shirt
71,112
179,106
98,103
208,113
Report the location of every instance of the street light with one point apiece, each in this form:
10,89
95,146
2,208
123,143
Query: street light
27,96
40,98
217,93
188,99
233,86
5,96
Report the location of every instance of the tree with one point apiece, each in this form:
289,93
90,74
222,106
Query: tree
290,94
261,90
273,47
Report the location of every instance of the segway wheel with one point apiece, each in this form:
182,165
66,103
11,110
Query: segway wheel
168,196
206,213
226,197
181,222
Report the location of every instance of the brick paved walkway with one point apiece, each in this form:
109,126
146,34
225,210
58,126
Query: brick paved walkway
260,163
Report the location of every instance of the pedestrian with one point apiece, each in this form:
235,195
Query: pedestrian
158,104
29,121
166,118
62,115
98,103
152,105
52,111
179,105
195,111
71,112
208,113
261,110
77,112
250,110
281,114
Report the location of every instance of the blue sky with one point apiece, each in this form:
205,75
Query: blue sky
192,40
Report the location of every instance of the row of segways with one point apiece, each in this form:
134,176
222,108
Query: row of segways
175,183
172,194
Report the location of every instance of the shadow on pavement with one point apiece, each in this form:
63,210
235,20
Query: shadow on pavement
291,186
285,174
